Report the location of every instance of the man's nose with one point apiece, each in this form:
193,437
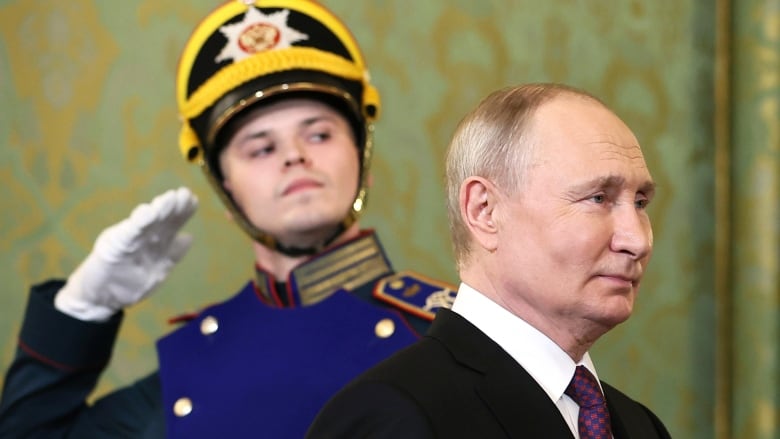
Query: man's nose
295,154
633,232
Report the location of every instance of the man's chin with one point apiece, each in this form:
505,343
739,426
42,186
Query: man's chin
618,314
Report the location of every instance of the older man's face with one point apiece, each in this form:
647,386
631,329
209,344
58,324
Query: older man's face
576,238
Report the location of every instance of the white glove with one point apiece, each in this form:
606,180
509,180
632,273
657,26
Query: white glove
130,258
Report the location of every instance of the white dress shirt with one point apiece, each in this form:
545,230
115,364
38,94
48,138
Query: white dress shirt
545,361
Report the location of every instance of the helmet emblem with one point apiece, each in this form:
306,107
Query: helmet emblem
257,32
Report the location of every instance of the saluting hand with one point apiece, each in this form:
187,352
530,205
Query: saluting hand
130,258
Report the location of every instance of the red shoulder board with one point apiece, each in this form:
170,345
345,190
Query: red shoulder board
415,294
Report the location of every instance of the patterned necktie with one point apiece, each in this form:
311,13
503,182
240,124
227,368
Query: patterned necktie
593,422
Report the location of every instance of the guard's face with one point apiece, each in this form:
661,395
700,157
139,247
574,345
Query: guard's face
293,169
578,237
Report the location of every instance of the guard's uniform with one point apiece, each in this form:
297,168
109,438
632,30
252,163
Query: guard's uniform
262,363
257,365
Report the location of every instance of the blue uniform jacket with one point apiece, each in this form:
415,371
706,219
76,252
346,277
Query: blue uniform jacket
260,364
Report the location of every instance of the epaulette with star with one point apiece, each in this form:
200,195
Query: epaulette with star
415,294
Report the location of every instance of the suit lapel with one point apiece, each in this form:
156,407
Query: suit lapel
618,428
519,404
629,419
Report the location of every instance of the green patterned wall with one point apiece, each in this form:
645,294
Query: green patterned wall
88,129
755,220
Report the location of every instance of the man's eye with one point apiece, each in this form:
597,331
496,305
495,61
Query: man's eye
320,137
641,204
599,198
261,151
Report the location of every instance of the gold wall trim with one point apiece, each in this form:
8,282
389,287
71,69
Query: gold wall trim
723,298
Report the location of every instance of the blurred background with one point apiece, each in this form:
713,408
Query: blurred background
88,129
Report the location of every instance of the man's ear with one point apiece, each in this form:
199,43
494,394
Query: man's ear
478,198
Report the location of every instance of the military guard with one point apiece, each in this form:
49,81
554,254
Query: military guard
269,94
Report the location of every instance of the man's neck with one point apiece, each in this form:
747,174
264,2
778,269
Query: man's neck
280,265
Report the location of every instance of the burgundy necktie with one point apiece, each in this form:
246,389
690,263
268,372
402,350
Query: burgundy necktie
593,421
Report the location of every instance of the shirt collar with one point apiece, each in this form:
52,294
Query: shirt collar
545,361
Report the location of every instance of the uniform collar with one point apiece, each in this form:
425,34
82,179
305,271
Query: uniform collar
345,266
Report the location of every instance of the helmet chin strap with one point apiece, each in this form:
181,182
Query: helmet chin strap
308,251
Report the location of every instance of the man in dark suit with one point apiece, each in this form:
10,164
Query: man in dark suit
547,196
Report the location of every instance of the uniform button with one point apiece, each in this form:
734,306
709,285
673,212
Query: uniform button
384,328
182,407
397,284
209,325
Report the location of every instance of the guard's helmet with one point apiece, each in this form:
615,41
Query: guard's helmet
246,53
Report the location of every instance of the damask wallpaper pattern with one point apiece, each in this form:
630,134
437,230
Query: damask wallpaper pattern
88,130
755,219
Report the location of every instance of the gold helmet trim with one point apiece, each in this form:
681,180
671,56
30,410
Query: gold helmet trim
236,74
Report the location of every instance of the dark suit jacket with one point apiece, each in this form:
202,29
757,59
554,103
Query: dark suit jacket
457,383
